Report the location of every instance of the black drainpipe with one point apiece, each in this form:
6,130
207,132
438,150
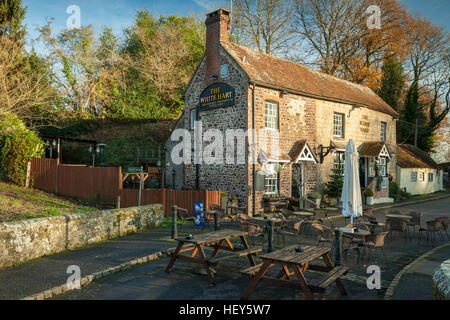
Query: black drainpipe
253,159
197,166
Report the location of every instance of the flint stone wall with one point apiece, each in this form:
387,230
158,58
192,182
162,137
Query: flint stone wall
441,282
29,239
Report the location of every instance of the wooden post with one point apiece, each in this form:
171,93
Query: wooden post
174,222
270,235
216,222
27,178
118,202
140,187
338,241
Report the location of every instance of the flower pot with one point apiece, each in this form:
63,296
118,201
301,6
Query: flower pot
369,201
318,203
223,203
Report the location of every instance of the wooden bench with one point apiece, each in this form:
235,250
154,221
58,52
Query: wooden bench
329,278
188,247
251,271
234,255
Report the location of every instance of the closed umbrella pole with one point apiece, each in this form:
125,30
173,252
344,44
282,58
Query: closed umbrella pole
351,191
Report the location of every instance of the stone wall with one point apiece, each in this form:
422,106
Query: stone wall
231,178
297,116
29,239
441,282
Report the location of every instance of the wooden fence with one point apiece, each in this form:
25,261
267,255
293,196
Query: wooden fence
180,198
104,184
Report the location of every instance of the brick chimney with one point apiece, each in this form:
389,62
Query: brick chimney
217,30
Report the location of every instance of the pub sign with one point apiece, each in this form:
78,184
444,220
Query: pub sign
218,95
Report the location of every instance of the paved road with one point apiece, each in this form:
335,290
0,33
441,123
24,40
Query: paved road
148,281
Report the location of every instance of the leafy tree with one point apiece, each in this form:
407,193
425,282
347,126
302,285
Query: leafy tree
393,82
18,145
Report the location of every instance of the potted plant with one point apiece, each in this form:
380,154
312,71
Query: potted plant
368,193
317,197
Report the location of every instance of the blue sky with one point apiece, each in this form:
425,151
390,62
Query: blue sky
120,13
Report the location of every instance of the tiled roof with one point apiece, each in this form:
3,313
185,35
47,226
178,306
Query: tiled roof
270,70
409,156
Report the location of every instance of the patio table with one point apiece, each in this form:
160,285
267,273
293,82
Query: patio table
219,240
373,225
398,216
298,261
305,214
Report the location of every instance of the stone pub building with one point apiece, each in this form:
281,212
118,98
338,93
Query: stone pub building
311,115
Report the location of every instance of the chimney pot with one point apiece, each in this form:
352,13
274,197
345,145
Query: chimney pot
217,31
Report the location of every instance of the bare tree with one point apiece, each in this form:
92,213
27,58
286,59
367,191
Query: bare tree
263,24
336,38
18,90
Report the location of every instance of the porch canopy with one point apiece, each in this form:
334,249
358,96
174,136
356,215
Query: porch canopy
374,149
269,163
302,152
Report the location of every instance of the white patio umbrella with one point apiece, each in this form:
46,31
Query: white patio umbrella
351,192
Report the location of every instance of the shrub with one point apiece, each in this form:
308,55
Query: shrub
18,145
394,189
315,195
368,192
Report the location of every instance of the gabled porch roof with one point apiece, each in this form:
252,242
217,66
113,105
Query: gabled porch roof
302,152
374,149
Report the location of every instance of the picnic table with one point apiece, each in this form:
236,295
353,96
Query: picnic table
290,259
398,216
219,240
305,214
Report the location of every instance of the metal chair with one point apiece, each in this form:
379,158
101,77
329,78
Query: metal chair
292,229
415,221
254,230
444,222
397,225
183,214
434,227
376,241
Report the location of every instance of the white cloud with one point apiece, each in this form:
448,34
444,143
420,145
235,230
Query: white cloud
204,4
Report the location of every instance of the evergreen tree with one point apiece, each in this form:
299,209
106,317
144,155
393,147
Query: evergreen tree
393,82
11,18
333,188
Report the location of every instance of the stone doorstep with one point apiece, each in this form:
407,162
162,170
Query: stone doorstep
47,294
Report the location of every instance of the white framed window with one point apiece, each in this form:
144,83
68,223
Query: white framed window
271,184
338,125
271,115
339,159
382,166
421,176
193,118
430,177
224,71
383,131
413,176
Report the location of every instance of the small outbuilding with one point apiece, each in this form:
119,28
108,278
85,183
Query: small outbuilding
417,172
